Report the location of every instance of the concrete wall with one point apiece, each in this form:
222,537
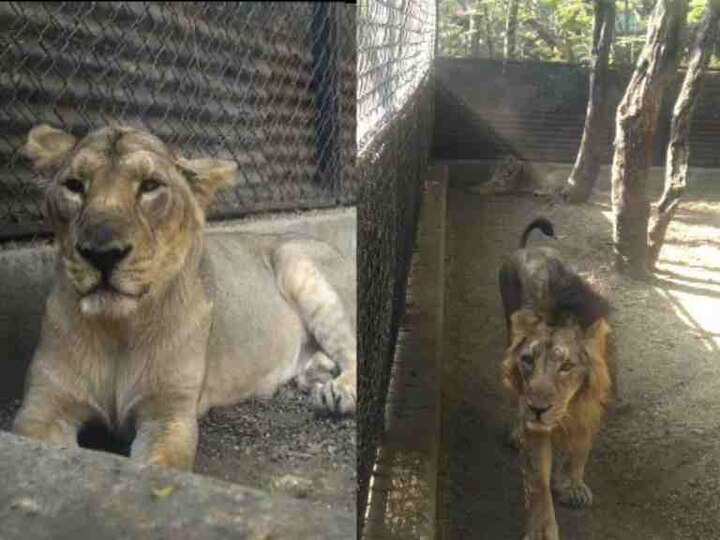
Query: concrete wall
26,274
536,110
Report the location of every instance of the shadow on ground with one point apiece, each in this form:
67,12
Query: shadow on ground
655,468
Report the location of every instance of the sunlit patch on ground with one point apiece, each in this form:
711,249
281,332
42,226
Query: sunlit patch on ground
689,270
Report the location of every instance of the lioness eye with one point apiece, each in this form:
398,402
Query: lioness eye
146,186
567,366
74,185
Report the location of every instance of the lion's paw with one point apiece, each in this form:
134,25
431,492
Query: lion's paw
319,370
573,493
337,397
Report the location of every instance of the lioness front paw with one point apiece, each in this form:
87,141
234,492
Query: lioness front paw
573,493
546,531
337,396
319,370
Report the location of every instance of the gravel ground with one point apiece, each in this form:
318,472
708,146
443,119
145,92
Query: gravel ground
277,445
655,467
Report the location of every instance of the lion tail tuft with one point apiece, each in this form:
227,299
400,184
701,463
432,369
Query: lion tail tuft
544,224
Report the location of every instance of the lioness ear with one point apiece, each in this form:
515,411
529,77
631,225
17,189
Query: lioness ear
206,175
47,146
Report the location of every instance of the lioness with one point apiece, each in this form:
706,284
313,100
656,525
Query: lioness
556,368
150,322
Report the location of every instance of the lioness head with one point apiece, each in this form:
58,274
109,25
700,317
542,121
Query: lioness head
551,368
126,211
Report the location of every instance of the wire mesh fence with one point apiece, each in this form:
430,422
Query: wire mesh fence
396,44
270,85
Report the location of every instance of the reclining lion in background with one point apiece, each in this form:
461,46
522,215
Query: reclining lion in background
150,322
556,366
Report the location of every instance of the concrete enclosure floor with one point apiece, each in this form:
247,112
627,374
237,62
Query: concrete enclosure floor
655,466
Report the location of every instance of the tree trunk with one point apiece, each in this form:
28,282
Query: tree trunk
511,30
587,164
489,38
475,35
634,127
678,152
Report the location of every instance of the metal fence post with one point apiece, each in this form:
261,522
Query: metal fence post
325,81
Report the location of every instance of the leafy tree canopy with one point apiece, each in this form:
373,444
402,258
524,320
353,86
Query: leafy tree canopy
550,30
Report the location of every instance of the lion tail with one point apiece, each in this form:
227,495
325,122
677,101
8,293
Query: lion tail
544,224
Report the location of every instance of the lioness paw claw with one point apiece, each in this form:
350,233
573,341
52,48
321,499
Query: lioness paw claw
574,493
335,398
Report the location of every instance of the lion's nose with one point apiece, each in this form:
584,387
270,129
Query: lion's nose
538,410
98,245
104,259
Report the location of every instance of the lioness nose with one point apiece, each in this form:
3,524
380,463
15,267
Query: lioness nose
538,410
104,259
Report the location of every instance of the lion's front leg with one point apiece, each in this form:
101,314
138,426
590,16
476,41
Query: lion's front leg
324,316
48,415
51,428
537,457
169,440
571,487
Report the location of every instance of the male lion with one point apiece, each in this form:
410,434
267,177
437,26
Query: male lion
150,322
556,367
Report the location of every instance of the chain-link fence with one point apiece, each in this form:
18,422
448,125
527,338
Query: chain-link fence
396,45
270,85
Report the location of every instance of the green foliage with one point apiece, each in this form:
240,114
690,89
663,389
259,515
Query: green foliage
550,30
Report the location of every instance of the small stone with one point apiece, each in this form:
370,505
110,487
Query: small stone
295,485
26,504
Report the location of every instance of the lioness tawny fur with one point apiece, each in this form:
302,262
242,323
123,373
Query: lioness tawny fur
151,321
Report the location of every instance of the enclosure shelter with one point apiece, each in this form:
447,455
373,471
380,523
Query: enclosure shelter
269,85
396,45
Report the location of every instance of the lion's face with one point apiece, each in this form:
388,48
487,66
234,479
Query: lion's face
126,211
549,367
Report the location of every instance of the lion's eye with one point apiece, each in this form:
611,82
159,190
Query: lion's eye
74,185
150,185
566,366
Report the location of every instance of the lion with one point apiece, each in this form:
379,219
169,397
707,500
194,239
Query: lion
537,278
556,368
151,322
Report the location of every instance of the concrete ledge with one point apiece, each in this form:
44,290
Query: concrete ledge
73,493
403,490
466,173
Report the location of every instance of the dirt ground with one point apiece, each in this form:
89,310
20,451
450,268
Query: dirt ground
278,445
655,467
